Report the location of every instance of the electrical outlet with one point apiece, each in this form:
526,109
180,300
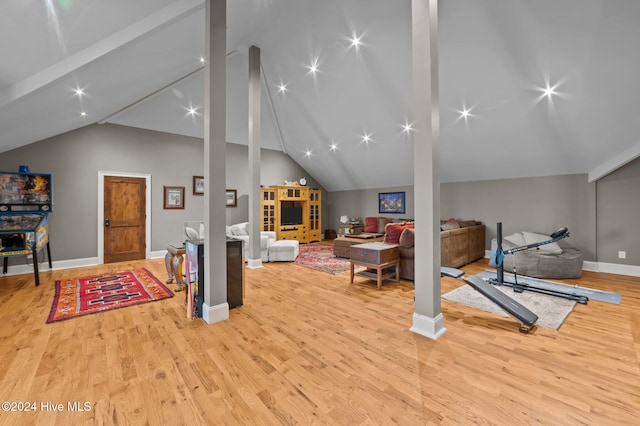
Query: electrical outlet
622,255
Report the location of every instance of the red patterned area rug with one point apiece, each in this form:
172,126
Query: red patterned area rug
321,258
76,297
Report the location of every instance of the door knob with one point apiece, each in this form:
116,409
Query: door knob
106,222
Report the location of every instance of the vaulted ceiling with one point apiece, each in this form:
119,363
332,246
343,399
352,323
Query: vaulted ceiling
337,80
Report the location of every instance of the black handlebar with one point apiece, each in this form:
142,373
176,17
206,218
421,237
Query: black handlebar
560,232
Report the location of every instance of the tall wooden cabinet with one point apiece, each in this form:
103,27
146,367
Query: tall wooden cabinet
294,212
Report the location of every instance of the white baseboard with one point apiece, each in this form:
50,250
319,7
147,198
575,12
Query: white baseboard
214,314
588,265
429,327
254,263
616,268
43,266
157,254
56,265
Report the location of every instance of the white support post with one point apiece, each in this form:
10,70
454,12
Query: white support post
255,218
427,318
215,307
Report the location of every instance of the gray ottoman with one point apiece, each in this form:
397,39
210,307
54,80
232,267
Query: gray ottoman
284,251
537,264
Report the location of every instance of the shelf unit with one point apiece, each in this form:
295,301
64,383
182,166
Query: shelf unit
294,212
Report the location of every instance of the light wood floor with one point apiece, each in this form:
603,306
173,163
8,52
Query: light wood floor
309,348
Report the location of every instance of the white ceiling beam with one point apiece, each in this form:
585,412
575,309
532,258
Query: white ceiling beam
626,156
153,22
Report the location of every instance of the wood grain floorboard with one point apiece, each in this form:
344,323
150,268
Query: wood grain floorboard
310,348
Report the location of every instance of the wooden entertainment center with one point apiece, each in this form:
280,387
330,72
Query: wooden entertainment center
292,211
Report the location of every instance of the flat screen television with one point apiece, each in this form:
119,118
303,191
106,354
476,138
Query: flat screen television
290,215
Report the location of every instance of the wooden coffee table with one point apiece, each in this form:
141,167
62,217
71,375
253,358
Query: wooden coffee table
376,257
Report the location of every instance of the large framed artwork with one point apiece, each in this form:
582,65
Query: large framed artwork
391,202
174,197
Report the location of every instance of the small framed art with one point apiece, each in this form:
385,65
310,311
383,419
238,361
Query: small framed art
174,197
391,202
232,197
198,185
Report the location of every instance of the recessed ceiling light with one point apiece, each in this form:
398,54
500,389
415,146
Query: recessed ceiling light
79,92
307,153
333,146
313,68
549,91
282,87
202,60
355,41
192,111
407,127
83,113
366,138
465,113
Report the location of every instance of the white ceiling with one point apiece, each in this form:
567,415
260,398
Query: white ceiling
138,63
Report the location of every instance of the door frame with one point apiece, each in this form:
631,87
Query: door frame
147,234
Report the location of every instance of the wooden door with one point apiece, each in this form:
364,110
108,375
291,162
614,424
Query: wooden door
124,218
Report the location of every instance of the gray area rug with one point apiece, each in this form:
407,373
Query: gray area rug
551,311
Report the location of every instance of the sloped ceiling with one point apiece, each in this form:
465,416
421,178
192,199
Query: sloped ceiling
138,64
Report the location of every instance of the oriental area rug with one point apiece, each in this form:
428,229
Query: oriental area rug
77,297
321,258
551,311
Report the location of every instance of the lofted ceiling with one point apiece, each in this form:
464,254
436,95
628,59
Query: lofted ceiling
138,64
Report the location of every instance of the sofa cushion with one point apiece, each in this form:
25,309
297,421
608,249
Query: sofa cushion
449,226
371,224
394,230
192,234
467,223
516,239
407,238
382,223
240,229
531,238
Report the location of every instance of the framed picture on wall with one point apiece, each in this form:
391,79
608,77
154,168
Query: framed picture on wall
232,197
391,202
198,185
174,197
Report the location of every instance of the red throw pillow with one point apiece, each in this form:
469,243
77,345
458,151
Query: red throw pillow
394,230
371,224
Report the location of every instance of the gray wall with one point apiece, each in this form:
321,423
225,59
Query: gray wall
364,203
541,204
75,158
618,213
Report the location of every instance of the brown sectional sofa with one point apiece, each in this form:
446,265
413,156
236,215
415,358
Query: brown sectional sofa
461,242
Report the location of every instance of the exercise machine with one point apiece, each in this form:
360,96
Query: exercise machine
520,313
519,287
